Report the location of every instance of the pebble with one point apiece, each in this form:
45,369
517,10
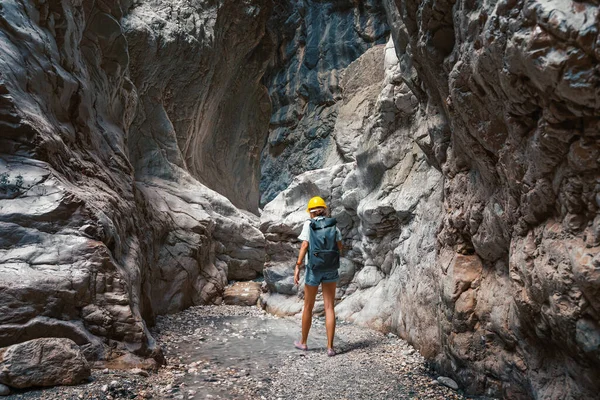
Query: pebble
4,390
140,372
444,380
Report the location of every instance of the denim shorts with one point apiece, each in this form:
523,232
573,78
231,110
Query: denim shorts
313,278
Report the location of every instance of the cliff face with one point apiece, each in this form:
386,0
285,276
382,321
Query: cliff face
315,40
209,117
469,205
102,220
518,89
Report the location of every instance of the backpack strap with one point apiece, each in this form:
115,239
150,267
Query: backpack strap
323,223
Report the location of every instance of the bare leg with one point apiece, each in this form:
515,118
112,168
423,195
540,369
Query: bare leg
329,300
310,294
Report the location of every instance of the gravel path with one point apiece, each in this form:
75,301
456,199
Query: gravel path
231,352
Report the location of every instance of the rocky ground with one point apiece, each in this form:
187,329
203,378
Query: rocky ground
233,352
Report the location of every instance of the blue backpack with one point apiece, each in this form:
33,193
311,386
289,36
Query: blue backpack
323,253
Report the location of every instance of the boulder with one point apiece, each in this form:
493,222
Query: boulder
43,362
242,294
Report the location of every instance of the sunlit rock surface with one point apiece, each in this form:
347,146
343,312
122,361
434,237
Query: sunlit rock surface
103,220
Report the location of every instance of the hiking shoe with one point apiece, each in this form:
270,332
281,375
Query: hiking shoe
330,352
300,346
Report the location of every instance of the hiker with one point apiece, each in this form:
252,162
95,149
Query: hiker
320,253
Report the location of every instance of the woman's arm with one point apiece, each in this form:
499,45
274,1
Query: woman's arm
340,248
303,250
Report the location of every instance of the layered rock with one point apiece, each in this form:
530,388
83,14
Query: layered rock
197,66
315,41
103,221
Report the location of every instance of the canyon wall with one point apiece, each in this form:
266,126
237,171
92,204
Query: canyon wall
517,84
460,159
104,221
314,41
468,195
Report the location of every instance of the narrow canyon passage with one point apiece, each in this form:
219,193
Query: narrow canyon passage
152,152
234,352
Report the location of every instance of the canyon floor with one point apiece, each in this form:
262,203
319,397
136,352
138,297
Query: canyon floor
233,352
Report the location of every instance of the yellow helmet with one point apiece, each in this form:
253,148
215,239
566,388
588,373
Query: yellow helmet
316,202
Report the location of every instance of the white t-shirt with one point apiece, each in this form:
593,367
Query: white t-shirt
305,235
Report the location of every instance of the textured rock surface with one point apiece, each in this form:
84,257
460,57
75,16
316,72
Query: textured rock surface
242,294
490,271
196,66
43,362
516,83
461,162
315,40
103,222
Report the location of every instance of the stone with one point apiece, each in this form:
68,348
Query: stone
4,390
281,305
242,294
444,380
140,372
369,276
43,362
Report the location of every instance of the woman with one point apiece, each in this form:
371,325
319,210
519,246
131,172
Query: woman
328,279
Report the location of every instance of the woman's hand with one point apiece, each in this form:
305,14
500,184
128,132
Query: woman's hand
297,275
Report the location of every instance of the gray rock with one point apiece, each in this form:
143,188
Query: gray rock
4,390
447,382
281,305
519,183
369,276
43,362
178,122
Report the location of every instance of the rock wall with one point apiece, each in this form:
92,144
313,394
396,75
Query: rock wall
103,222
468,195
461,161
517,84
315,40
